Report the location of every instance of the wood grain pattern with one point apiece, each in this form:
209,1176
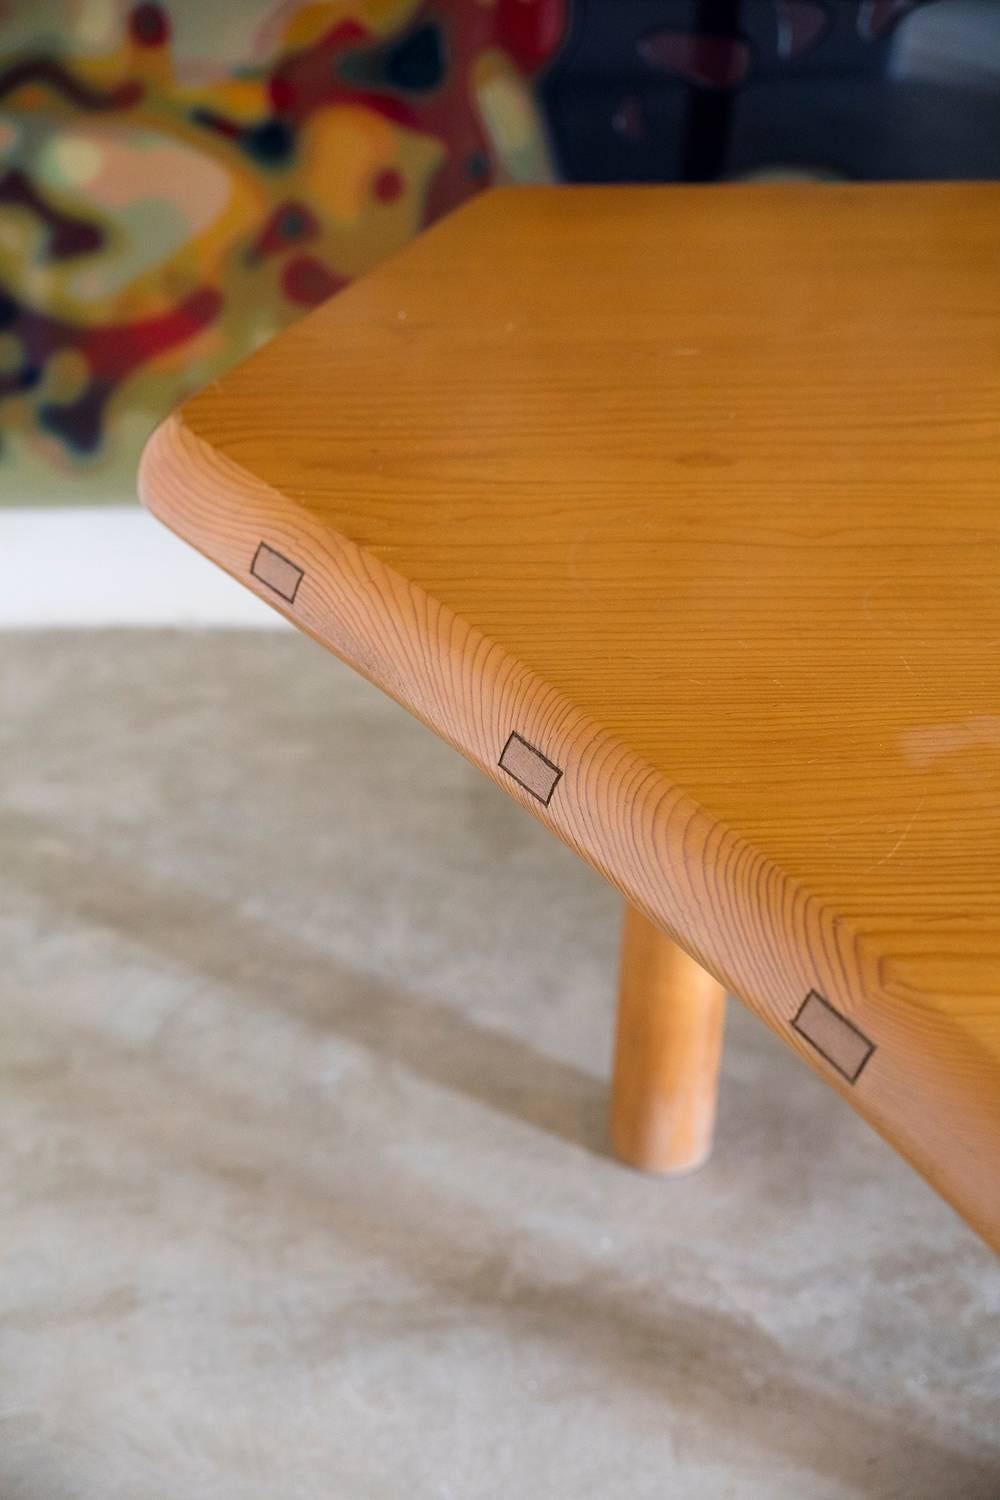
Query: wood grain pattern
668,1043
695,490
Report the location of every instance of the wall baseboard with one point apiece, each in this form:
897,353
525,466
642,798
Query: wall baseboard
99,565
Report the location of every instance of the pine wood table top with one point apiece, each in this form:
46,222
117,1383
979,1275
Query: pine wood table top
676,510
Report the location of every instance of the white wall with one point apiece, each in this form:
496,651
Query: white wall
112,565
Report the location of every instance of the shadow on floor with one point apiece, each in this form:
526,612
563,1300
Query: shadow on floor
438,1044
755,1395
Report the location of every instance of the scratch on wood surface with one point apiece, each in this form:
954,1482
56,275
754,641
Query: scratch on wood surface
903,836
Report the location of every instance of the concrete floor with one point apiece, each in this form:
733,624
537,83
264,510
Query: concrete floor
304,1192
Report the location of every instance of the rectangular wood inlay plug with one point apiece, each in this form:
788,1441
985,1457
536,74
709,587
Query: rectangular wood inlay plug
833,1035
530,768
277,572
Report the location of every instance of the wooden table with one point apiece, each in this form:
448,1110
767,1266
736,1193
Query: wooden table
677,511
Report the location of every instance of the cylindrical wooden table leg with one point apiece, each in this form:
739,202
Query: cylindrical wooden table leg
670,1017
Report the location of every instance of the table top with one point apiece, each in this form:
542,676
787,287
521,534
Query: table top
676,510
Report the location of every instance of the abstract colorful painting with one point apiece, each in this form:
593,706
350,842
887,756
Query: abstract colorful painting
179,180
